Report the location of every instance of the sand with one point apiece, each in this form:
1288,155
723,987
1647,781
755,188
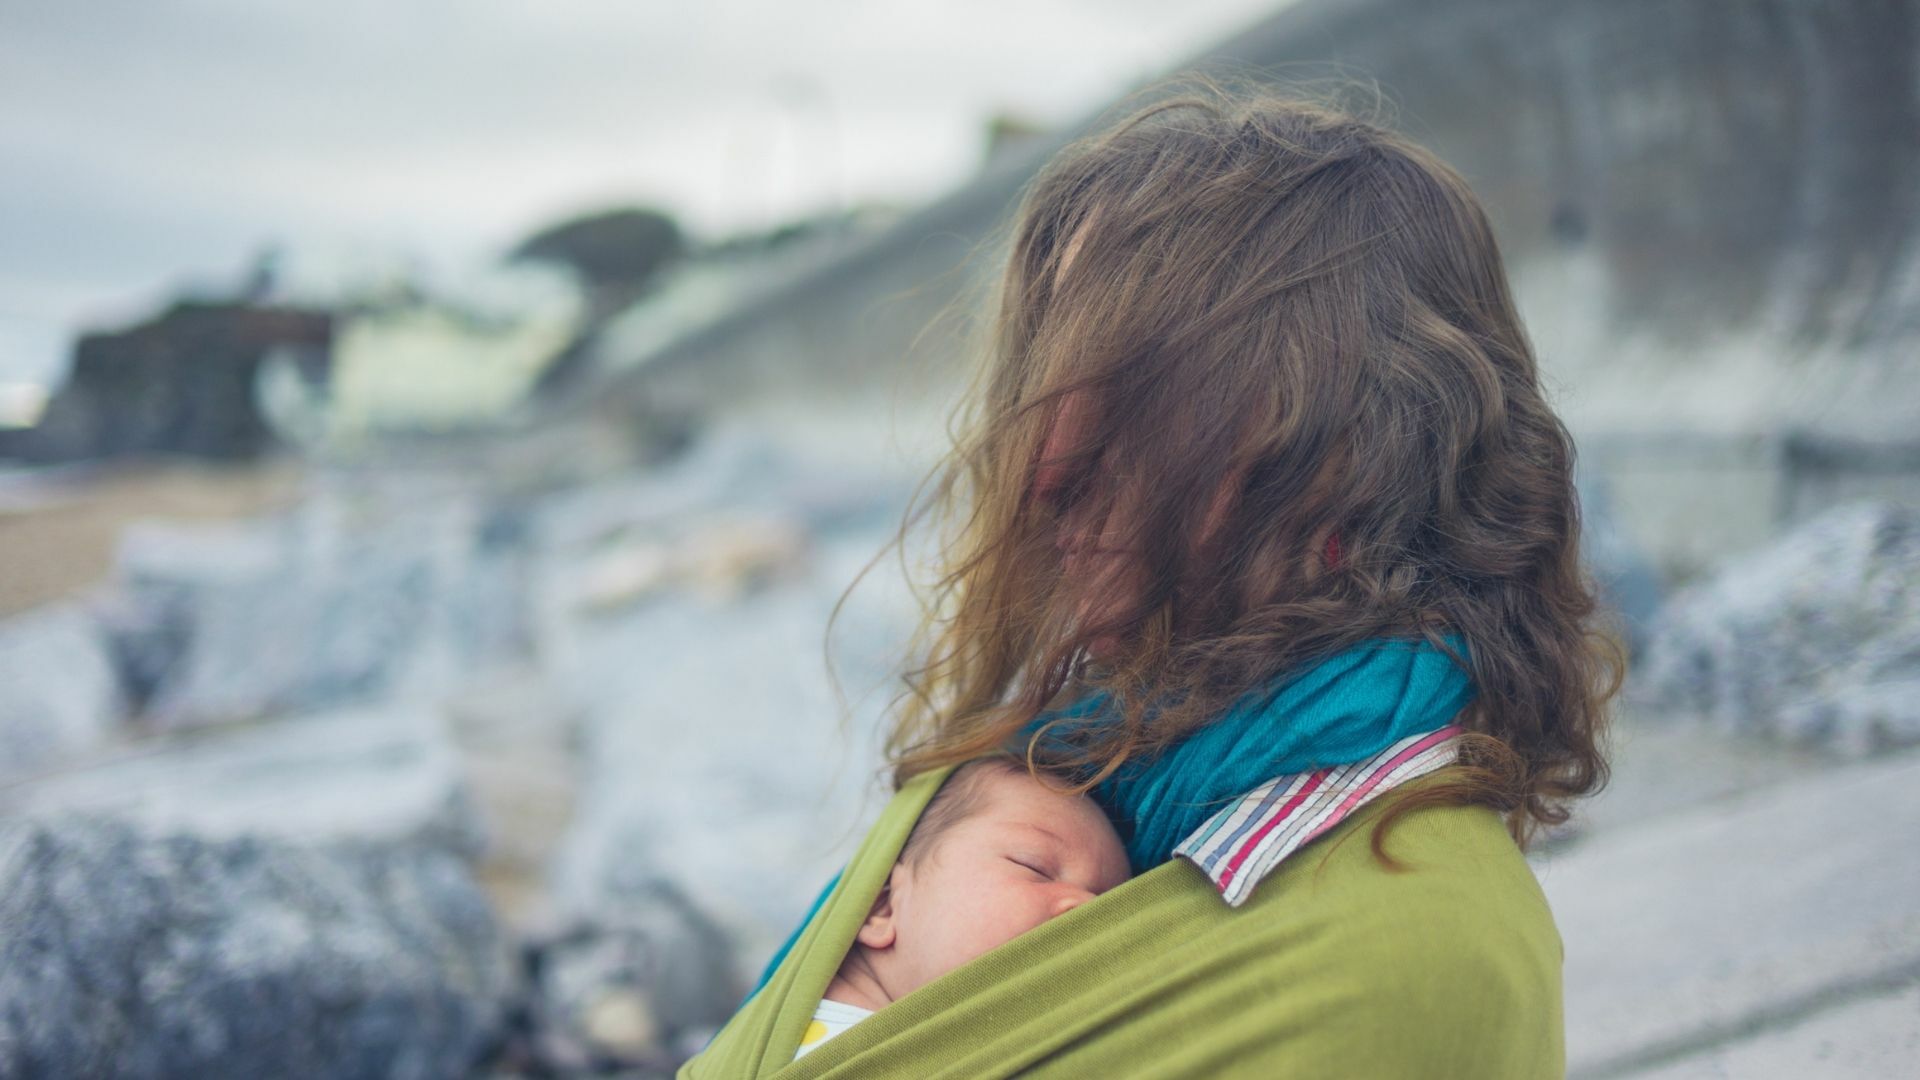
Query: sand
60,527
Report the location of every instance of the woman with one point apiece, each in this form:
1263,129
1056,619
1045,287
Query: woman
1263,532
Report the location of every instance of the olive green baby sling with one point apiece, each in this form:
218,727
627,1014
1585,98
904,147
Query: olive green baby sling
1336,967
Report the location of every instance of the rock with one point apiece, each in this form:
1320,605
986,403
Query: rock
724,558
731,472
621,1021
625,576
517,739
724,777
313,609
1629,584
643,983
1815,639
182,382
133,953
732,514
722,786
371,776
1659,770
59,695
714,758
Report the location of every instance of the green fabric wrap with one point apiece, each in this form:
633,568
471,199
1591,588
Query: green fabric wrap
1336,967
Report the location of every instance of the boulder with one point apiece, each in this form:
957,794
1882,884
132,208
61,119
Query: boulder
1815,639
725,558
370,776
723,784
139,953
725,774
517,741
1630,586
715,759
643,984
309,610
59,694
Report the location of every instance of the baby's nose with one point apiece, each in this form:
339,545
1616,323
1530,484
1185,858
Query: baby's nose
1069,899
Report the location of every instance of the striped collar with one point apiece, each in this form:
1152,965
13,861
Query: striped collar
1243,843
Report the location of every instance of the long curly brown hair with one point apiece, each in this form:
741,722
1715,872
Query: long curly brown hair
1256,392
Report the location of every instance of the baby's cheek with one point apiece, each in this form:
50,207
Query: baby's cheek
977,932
1036,909
1007,917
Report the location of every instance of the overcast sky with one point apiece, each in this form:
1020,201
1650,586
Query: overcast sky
147,144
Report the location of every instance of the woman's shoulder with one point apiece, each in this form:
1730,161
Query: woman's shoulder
1432,849
1448,966
1451,955
1455,887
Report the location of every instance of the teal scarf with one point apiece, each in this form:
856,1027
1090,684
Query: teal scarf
1342,709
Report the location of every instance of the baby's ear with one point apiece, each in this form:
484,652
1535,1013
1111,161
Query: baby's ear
878,932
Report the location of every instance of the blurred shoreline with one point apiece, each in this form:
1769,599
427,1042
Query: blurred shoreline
60,525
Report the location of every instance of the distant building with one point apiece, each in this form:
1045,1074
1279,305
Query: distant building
180,383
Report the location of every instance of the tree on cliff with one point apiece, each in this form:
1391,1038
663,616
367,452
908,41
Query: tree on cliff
616,254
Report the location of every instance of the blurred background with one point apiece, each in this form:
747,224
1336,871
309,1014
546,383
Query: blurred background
433,438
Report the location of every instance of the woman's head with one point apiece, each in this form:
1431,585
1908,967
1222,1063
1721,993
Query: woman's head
1257,391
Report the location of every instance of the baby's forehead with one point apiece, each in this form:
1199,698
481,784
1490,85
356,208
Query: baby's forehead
1000,801
1020,802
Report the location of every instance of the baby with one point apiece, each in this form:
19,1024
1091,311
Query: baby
995,854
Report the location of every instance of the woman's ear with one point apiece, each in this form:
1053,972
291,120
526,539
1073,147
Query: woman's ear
879,931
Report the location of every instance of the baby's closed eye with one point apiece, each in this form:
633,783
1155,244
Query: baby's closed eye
1027,862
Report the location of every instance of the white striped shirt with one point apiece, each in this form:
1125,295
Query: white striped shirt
1243,843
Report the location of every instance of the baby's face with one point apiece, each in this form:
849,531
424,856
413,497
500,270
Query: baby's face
1024,856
